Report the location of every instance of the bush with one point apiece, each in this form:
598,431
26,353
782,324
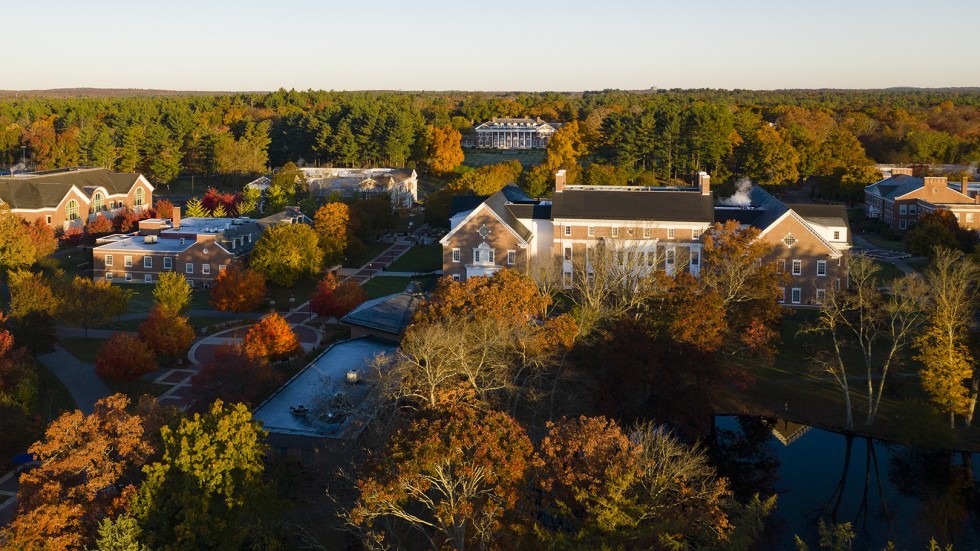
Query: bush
125,358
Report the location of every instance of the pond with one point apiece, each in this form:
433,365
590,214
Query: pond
888,492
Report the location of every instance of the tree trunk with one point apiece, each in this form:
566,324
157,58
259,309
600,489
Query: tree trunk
973,399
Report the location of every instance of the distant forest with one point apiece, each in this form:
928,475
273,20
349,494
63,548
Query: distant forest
772,137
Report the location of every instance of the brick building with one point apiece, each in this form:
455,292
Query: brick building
197,247
73,196
901,199
648,228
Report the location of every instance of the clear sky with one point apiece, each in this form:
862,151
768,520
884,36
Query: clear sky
488,44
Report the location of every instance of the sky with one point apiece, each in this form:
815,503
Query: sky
508,45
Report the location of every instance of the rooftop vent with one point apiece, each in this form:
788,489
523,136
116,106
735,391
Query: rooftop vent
298,411
353,376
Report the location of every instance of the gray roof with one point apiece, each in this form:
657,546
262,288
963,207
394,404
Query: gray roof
667,204
391,314
896,186
46,189
500,203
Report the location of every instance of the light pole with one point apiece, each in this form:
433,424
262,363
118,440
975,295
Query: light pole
292,302
23,156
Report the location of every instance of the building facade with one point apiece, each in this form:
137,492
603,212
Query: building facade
199,248
69,197
901,199
402,185
514,134
643,229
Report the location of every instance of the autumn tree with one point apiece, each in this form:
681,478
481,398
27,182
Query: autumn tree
194,209
454,477
166,332
768,158
23,244
488,179
289,178
78,300
125,357
100,226
164,208
89,466
271,338
943,347
233,376
286,253
444,150
207,491
331,222
172,292
30,293
862,321
333,299
238,289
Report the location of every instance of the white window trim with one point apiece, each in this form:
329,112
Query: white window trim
902,224
903,209
647,232
148,278
591,231
567,254
455,277
221,268
206,269
695,234
568,230
188,268
820,296
615,232
147,261
108,276
108,260
821,264
128,261
670,233
511,257
168,263
797,267
129,277
796,295
456,255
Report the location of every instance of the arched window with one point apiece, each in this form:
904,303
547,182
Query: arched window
140,196
98,202
71,210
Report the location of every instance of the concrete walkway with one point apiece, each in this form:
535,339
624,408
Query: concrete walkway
197,314
863,243
79,378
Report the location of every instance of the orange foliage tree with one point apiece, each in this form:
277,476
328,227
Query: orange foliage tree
332,222
271,339
238,289
101,225
166,332
335,299
445,151
89,465
125,357
233,376
456,475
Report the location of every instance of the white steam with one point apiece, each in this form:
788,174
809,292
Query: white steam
741,197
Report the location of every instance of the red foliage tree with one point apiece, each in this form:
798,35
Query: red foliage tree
164,209
166,332
125,357
335,299
233,376
73,235
42,237
238,289
126,221
101,225
272,339
213,198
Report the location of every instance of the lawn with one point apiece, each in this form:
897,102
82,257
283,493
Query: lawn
365,255
300,292
380,286
85,349
888,271
481,157
142,300
419,259
882,243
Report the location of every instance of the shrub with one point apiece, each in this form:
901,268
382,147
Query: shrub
125,358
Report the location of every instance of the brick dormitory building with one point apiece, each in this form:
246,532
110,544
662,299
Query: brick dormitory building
663,225
902,198
199,248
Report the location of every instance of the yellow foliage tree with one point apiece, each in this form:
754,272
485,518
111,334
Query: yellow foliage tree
332,222
445,151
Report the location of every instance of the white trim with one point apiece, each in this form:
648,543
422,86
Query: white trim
834,251
798,298
482,206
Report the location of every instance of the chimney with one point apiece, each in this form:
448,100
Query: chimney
175,218
704,183
934,183
965,186
560,180
902,170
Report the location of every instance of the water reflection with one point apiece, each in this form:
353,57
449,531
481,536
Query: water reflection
888,492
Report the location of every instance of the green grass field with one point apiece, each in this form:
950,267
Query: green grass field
882,243
480,157
85,349
380,286
367,254
426,258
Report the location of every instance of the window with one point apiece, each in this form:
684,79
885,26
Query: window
147,261
108,276
221,268
476,256
591,231
189,268
646,232
782,264
108,260
670,233
821,267
795,295
128,261
836,236
670,257
148,278
71,210
456,255
821,296
695,257
511,257
47,219
969,217
902,224
903,209
140,196
782,295
789,240
615,232
568,230
168,263
206,269
797,267
566,278
650,255
695,234
98,202
455,277
912,209
129,276
568,253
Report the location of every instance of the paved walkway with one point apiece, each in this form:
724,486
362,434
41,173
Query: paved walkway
79,378
8,497
197,313
869,247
